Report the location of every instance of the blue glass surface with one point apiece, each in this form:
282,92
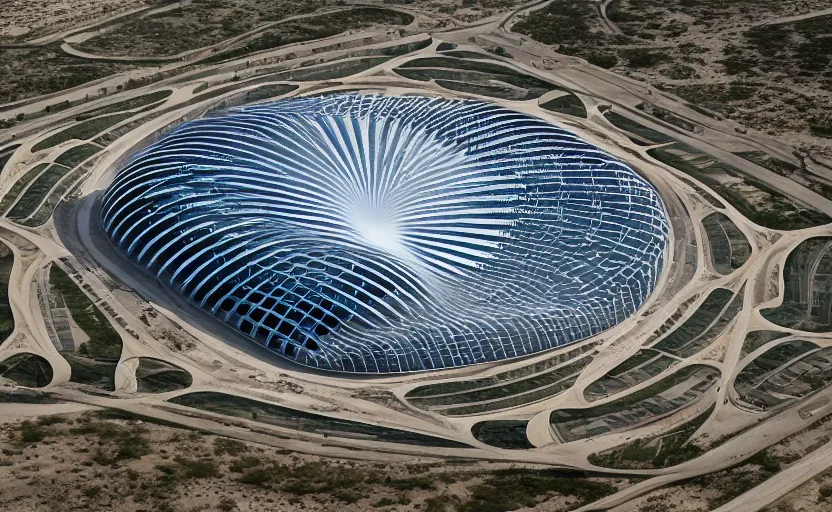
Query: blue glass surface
390,234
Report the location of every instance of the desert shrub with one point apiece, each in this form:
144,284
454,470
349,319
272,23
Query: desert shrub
198,468
602,60
644,58
223,445
31,433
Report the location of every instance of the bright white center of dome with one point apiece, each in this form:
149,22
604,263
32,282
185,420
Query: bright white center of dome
377,228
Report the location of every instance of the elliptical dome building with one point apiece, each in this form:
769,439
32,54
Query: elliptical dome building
379,234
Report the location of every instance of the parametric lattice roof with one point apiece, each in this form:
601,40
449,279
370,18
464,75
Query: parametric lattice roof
391,234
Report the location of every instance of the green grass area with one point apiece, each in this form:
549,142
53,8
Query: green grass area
617,406
325,72
32,201
699,325
405,48
659,451
507,389
513,401
28,370
207,95
632,375
105,343
44,212
780,212
82,130
262,92
756,339
443,47
74,156
155,376
628,125
799,311
131,104
464,54
640,357
19,185
231,405
771,359
524,371
91,372
36,192
729,248
105,139
461,64
56,107
339,70
494,91
268,91
795,315
266,41
568,104
507,434
6,316
476,77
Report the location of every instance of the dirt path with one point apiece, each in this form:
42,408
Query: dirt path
197,53
611,27
59,36
792,19
14,412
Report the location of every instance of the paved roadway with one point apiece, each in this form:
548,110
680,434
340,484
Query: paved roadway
594,85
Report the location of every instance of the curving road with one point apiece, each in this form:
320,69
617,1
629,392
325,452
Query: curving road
88,252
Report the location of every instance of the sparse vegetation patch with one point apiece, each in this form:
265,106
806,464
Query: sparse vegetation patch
299,420
806,272
28,370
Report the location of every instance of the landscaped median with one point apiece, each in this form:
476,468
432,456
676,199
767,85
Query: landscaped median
654,402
